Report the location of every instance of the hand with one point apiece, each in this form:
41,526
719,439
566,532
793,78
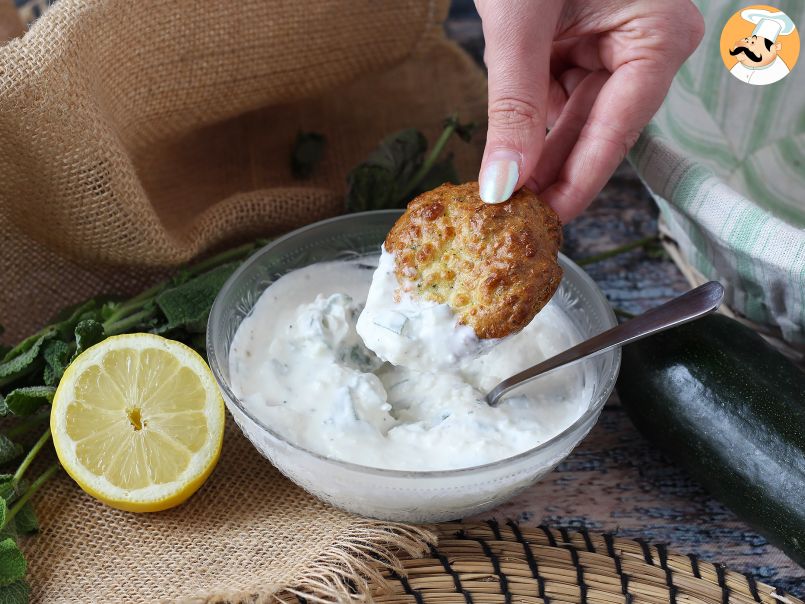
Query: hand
593,71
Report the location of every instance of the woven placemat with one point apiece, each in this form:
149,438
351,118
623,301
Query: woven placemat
492,562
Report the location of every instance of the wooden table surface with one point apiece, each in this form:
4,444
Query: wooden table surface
616,481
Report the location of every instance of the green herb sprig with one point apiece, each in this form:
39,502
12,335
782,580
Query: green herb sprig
29,372
399,168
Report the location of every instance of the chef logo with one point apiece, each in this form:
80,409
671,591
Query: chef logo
760,45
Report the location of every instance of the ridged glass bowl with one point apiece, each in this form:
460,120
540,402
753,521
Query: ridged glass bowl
426,496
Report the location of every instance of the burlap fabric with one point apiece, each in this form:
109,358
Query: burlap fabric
136,135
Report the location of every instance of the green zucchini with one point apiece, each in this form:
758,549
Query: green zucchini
725,405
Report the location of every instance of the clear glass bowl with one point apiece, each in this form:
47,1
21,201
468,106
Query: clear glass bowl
427,496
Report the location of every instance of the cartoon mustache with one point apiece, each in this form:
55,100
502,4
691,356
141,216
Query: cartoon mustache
743,49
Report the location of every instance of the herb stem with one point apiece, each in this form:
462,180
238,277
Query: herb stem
144,296
136,303
31,455
112,328
22,426
616,251
434,154
124,311
236,253
35,485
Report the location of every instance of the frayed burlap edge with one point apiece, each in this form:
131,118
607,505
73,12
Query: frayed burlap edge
348,560
344,571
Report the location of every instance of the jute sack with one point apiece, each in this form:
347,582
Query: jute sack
136,135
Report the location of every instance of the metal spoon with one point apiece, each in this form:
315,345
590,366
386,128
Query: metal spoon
682,309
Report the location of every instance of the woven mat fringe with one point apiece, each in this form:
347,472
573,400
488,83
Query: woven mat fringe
493,563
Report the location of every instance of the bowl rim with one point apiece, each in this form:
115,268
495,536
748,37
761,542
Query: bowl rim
230,397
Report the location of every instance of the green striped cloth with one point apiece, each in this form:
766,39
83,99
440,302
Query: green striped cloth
725,162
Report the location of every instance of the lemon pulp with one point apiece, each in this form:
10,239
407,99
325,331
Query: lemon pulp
138,422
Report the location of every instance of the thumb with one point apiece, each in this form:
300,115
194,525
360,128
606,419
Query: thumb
518,37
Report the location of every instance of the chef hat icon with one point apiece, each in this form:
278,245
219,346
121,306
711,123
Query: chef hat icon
768,24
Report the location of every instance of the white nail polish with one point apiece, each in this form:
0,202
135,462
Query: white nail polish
498,179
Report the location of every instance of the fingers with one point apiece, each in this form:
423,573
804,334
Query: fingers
583,88
642,74
625,104
557,97
561,87
576,52
518,39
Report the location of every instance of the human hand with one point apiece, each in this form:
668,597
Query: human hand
594,71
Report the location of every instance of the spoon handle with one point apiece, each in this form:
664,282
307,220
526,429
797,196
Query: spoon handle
682,309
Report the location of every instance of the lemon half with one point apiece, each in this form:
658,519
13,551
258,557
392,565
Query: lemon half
138,422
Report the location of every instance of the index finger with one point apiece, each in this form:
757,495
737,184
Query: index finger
624,106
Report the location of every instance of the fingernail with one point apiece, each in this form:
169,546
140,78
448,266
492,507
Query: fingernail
499,177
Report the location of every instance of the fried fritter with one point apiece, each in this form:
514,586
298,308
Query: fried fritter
495,265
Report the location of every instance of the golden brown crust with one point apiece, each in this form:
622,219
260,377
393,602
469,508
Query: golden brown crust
495,265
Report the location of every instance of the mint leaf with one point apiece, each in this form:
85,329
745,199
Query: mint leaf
57,356
25,401
85,310
188,305
7,490
8,449
12,563
3,406
24,359
3,510
379,181
370,187
26,521
87,333
307,152
18,592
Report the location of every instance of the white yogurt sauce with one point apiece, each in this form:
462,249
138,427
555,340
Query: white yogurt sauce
412,332
300,366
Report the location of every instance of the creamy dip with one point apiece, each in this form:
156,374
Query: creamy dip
300,366
412,332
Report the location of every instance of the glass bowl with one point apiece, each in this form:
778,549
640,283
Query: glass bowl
408,496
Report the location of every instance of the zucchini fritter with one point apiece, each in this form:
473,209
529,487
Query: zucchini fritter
494,264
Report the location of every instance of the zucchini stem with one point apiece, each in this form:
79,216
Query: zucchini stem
619,312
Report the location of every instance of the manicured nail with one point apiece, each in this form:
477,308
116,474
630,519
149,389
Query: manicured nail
499,177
